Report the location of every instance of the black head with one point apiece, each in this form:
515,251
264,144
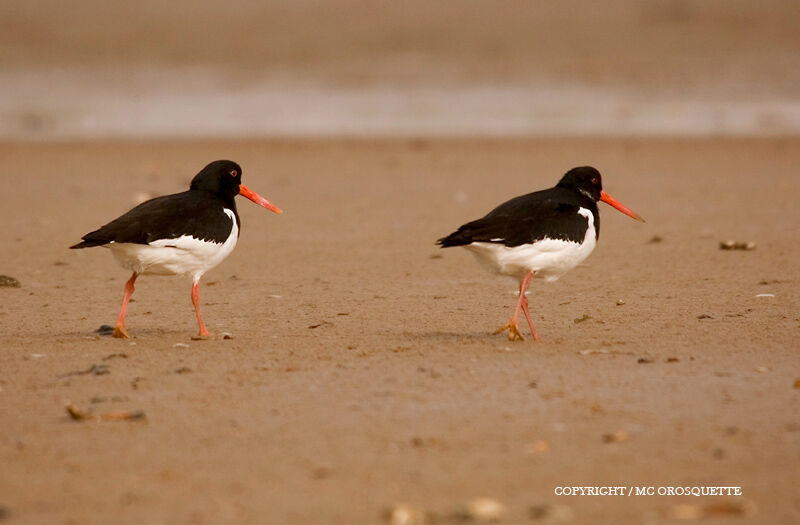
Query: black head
584,179
222,177
587,181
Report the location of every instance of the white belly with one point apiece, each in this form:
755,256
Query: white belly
549,258
184,255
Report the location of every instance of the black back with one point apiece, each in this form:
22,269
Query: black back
197,212
551,213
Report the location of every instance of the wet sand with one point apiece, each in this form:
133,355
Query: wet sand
362,372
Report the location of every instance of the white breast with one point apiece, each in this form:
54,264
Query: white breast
549,258
184,255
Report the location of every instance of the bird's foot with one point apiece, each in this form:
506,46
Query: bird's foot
513,331
202,337
120,332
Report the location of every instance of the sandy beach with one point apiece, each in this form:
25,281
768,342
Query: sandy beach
362,373
361,382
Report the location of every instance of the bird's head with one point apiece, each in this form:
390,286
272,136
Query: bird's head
588,181
224,178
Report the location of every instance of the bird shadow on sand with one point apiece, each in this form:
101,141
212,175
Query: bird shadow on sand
476,336
151,334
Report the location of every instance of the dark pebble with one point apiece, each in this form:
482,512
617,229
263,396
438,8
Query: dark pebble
7,280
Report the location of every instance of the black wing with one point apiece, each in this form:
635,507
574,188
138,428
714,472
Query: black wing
167,217
529,218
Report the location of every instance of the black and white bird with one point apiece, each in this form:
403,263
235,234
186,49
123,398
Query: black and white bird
544,234
185,233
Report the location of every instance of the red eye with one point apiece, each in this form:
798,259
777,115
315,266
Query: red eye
234,173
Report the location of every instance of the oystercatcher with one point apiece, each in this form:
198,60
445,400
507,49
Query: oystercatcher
544,234
185,233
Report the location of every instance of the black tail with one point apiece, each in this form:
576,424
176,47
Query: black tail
454,239
92,239
89,243
95,238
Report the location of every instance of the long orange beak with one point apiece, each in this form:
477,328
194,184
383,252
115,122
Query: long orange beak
244,191
608,199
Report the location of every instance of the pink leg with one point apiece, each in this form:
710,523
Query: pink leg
196,302
528,315
119,328
522,304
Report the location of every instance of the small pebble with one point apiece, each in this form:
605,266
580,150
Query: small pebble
180,345
617,437
401,514
762,369
737,245
551,513
730,508
485,509
537,447
7,280
620,302
685,512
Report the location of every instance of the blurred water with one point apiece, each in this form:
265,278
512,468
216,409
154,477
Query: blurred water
195,102
263,68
